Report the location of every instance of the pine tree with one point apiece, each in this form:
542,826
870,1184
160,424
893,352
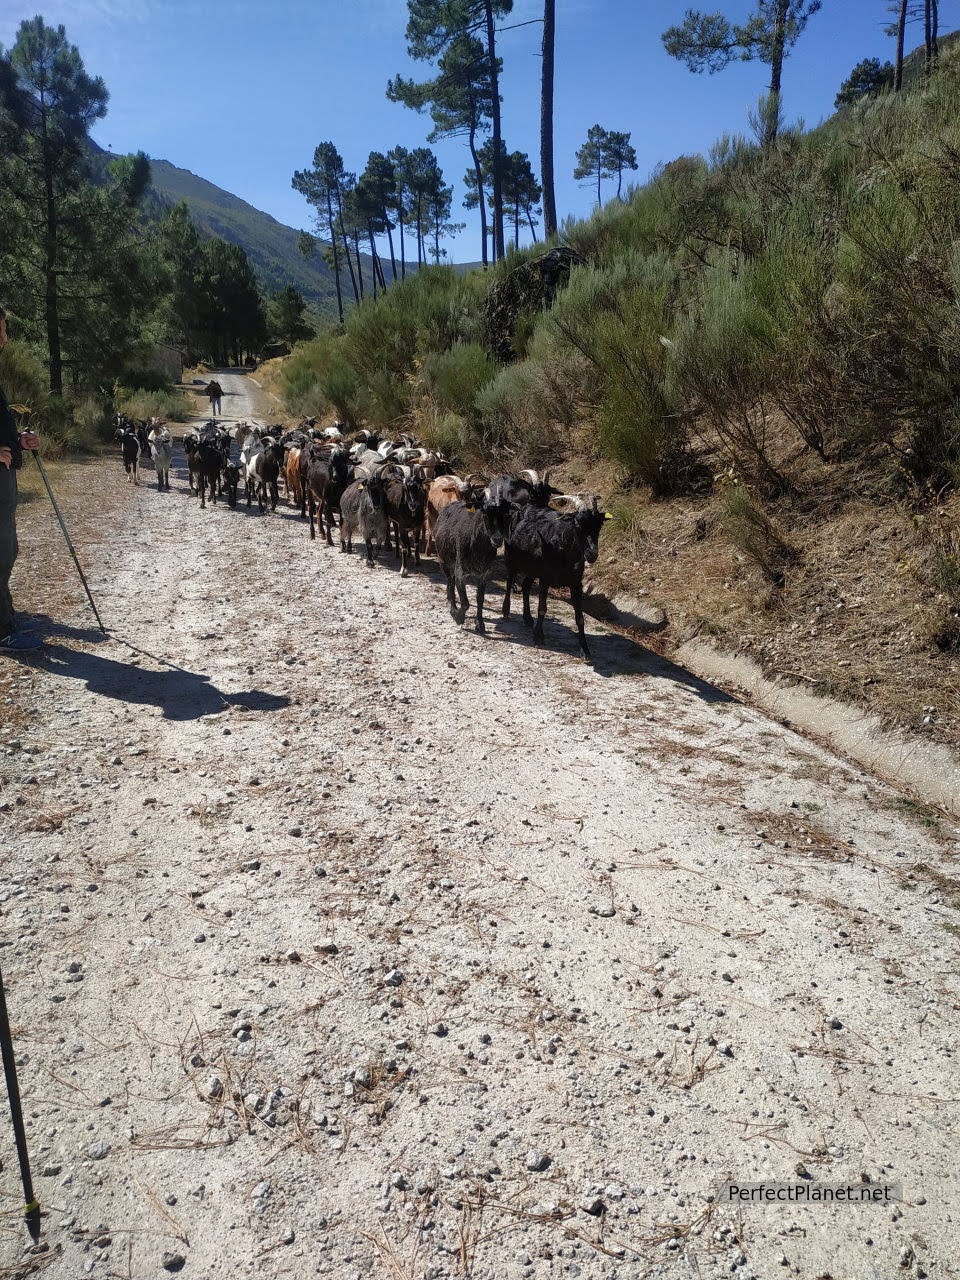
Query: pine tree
710,42
458,99
50,96
868,78
322,187
521,193
591,158
619,155
286,316
432,27
399,158
379,181
232,312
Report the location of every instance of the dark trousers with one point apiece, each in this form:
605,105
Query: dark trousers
8,545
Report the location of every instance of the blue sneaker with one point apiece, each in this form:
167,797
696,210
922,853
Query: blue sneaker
19,641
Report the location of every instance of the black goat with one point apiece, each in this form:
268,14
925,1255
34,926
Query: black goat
552,548
206,462
130,452
405,502
230,482
325,474
527,488
466,539
362,511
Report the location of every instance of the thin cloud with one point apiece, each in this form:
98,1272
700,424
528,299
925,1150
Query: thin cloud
77,15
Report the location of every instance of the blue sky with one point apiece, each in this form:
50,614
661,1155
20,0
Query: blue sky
241,91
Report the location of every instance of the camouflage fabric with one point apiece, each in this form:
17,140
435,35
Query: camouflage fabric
532,286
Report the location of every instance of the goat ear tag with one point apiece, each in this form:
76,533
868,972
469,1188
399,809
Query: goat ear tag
607,515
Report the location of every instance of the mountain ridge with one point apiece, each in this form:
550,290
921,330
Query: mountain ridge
271,245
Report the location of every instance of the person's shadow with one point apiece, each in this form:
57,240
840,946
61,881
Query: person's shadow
181,694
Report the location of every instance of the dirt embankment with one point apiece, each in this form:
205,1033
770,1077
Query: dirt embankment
342,942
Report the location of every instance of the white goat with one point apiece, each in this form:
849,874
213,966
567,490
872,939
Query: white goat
161,448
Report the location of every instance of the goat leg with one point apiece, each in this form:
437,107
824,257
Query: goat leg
541,609
576,599
404,553
507,591
464,602
481,593
525,587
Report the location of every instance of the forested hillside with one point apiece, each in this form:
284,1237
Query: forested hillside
757,358
270,246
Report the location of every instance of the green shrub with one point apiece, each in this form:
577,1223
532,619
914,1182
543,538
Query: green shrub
64,424
142,379
319,377
166,404
23,376
445,432
523,418
454,378
388,399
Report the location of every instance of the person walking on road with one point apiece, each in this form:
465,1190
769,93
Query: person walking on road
12,445
214,391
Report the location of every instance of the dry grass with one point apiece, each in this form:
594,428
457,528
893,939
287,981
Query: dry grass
269,375
857,612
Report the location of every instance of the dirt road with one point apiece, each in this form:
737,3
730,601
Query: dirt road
339,941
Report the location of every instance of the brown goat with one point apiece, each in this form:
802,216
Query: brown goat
291,477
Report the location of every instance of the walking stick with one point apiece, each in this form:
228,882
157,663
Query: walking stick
31,1204
70,546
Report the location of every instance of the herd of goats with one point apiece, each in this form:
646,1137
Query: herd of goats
396,494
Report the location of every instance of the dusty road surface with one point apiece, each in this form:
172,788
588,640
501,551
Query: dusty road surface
342,942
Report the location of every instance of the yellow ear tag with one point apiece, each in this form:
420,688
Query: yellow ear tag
607,515
362,486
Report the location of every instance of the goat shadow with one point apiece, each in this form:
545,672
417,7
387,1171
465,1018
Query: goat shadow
613,653
180,694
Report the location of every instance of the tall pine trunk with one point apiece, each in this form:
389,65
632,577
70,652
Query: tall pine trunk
497,144
546,121
357,293
901,35
356,248
336,256
478,170
373,257
403,252
389,226
776,71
